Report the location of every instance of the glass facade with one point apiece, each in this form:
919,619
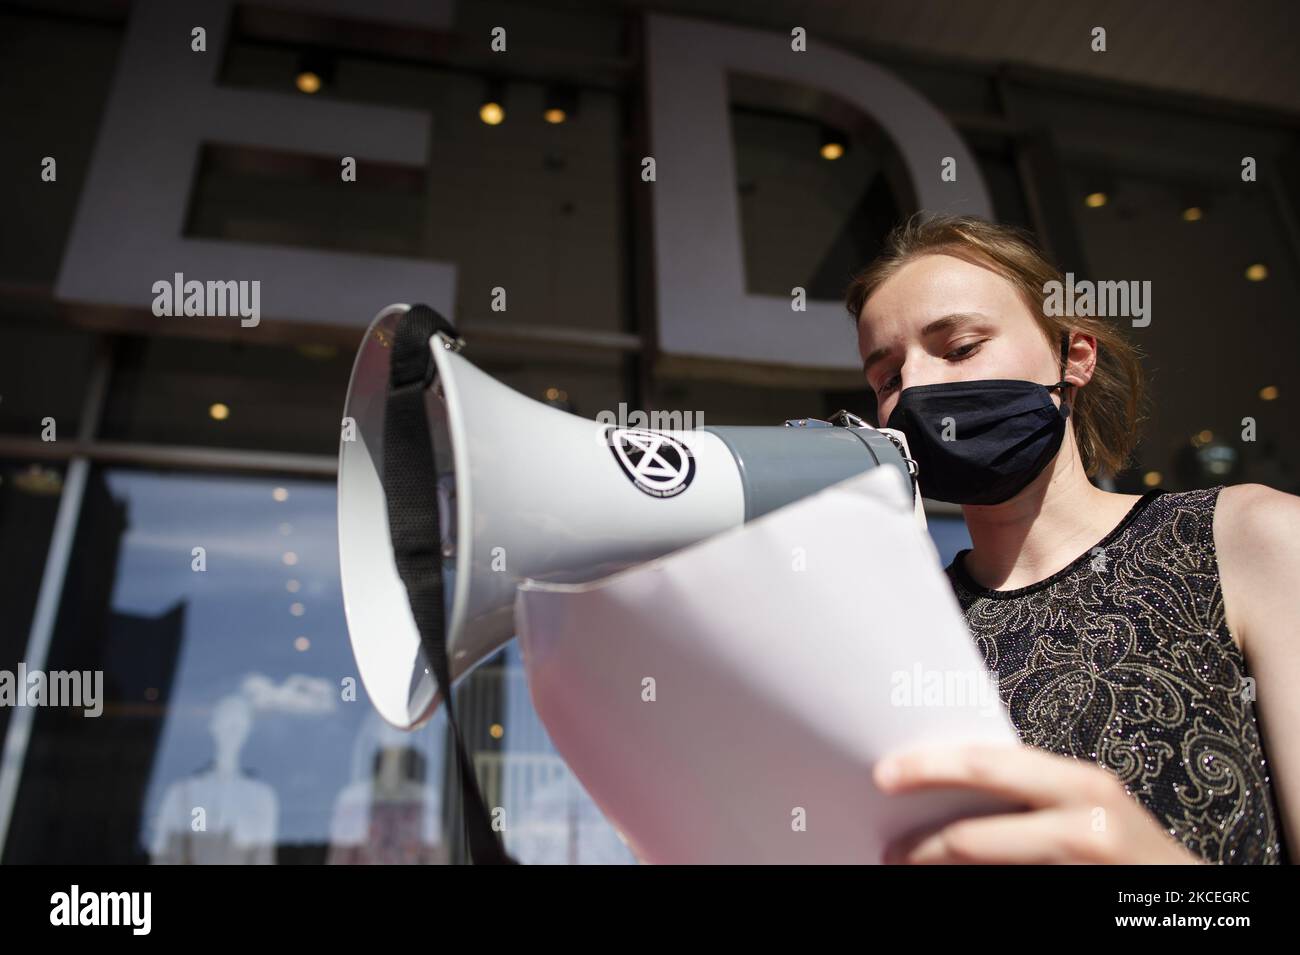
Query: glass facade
189,504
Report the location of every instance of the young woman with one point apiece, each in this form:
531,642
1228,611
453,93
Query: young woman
1135,638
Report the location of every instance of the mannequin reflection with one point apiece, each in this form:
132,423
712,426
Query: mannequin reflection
388,814
219,816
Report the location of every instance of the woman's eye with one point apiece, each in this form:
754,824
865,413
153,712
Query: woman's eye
960,353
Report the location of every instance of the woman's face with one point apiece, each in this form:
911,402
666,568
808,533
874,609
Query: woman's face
940,319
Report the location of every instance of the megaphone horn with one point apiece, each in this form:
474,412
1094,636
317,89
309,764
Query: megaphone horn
525,490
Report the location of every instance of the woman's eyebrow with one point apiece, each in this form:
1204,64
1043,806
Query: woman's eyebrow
952,321
944,323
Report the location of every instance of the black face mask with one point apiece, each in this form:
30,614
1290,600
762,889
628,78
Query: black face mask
1000,434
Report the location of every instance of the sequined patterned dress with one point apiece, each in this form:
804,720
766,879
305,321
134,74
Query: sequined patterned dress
1124,657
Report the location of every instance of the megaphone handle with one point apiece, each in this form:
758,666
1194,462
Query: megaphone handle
413,523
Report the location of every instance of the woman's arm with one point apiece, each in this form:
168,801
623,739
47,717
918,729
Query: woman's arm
1257,536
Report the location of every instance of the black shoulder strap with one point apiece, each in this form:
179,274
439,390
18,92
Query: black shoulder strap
410,483
1064,385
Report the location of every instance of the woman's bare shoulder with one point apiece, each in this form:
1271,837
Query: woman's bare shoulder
1256,513
1257,539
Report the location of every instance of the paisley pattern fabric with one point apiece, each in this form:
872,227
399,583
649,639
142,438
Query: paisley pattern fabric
1124,657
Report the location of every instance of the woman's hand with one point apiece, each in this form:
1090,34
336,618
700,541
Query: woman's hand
1075,811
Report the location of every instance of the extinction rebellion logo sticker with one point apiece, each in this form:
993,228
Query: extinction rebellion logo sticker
658,464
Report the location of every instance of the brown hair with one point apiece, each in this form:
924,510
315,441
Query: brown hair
1108,411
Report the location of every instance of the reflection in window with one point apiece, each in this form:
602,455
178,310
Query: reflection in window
220,815
230,731
29,501
388,813
228,734
553,820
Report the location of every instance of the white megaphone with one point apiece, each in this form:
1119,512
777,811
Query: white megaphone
525,490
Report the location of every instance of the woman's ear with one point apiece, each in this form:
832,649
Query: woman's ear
1081,358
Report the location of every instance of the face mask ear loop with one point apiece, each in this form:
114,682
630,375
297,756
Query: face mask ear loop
1063,384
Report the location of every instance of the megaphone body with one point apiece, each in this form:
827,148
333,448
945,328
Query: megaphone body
527,491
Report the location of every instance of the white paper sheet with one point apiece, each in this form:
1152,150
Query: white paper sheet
786,656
